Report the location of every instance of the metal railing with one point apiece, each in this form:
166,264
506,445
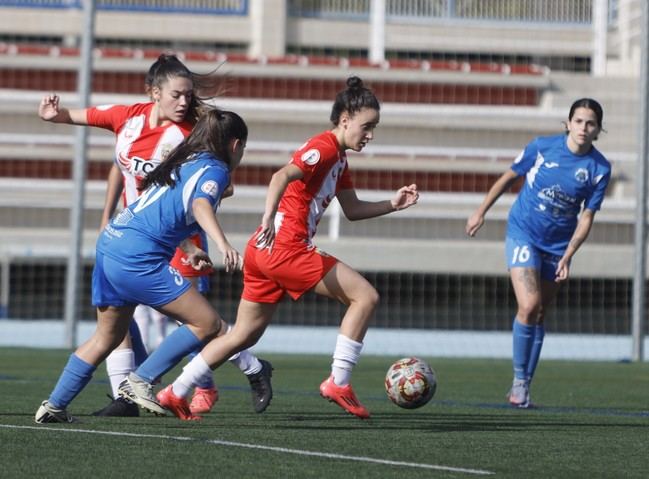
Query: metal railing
532,11
217,7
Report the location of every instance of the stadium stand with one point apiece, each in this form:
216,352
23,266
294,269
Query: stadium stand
451,121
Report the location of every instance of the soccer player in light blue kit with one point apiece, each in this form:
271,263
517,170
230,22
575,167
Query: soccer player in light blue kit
133,252
565,181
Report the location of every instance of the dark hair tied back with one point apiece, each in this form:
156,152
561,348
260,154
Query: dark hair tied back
354,82
205,86
590,104
165,67
353,99
213,133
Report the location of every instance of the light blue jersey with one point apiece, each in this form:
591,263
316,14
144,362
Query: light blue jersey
133,251
161,218
558,184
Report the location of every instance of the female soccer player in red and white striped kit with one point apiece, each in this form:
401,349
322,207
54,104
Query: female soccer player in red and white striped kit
281,259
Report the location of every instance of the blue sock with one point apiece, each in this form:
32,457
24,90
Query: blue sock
76,374
175,347
523,337
535,354
139,350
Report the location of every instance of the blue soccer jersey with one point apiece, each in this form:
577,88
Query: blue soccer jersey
150,229
558,184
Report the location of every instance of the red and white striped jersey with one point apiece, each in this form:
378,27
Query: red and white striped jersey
139,149
304,202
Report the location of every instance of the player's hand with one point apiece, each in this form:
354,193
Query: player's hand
266,233
563,270
405,197
474,223
48,109
197,259
232,260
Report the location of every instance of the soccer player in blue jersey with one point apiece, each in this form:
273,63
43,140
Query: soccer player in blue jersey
132,267
145,134
565,182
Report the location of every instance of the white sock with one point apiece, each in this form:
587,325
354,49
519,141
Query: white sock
141,317
345,357
190,376
119,364
159,321
247,362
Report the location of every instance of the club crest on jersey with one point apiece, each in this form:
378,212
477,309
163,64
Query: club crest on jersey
165,150
123,218
310,157
210,188
581,175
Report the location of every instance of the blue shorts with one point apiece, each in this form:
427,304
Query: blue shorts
203,284
522,254
117,284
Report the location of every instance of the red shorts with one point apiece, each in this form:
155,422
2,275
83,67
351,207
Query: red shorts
268,275
187,270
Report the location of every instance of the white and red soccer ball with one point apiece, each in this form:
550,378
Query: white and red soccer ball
410,383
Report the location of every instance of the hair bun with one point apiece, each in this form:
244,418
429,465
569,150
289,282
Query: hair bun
354,82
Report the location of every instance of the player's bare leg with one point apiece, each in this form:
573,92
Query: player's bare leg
350,288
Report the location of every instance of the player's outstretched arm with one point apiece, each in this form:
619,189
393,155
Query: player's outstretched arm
356,209
502,184
405,197
49,109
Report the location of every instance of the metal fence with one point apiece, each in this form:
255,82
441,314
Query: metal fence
547,11
220,7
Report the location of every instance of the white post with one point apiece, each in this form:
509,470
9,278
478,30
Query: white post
256,15
267,31
640,271
377,31
600,33
79,178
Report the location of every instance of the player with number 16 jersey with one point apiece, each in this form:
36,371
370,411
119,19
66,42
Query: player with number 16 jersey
557,184
565,180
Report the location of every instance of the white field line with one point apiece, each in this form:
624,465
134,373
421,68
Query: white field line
284,450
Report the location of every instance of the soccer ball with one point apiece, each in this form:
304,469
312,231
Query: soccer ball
410,383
